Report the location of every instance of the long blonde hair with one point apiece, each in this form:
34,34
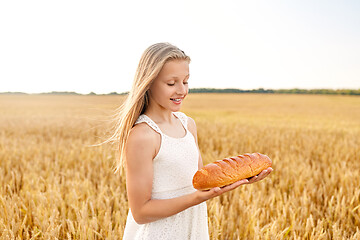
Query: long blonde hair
151,62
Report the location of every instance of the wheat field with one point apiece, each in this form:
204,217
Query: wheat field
55,185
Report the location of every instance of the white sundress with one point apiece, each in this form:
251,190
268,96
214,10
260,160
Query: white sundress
174,167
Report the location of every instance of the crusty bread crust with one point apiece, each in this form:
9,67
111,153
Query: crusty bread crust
229,170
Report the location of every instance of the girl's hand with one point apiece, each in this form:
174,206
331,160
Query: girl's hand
260,176
214,192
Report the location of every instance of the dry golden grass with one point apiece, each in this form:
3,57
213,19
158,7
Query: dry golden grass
53,185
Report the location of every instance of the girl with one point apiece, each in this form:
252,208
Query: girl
159,150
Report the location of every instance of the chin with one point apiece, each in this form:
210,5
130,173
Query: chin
175,109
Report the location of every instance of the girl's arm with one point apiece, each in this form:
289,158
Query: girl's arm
140,151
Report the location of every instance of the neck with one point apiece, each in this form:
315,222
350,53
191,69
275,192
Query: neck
159,115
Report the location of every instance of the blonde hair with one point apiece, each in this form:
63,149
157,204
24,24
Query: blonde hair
150,64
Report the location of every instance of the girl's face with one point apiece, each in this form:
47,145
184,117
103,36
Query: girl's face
170,87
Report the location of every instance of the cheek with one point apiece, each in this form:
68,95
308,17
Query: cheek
163,92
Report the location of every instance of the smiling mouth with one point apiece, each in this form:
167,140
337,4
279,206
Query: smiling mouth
176,99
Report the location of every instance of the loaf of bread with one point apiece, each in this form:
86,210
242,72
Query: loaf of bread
229,170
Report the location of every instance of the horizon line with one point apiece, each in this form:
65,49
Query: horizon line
201,89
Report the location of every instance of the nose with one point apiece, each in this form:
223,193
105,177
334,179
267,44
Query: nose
181,89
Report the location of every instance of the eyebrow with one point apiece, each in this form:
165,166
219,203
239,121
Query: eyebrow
174,77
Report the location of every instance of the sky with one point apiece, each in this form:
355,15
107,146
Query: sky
95,46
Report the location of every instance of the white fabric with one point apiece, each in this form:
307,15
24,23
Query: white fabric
174,167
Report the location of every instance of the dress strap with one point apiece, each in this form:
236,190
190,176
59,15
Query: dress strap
182,117
151,123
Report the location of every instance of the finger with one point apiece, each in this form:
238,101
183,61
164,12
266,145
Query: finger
259,177
216,191
268,171
242,181
213,192
263,175
234,185
253,179
265,172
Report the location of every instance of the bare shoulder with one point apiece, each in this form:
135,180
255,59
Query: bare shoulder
192,126
141,135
